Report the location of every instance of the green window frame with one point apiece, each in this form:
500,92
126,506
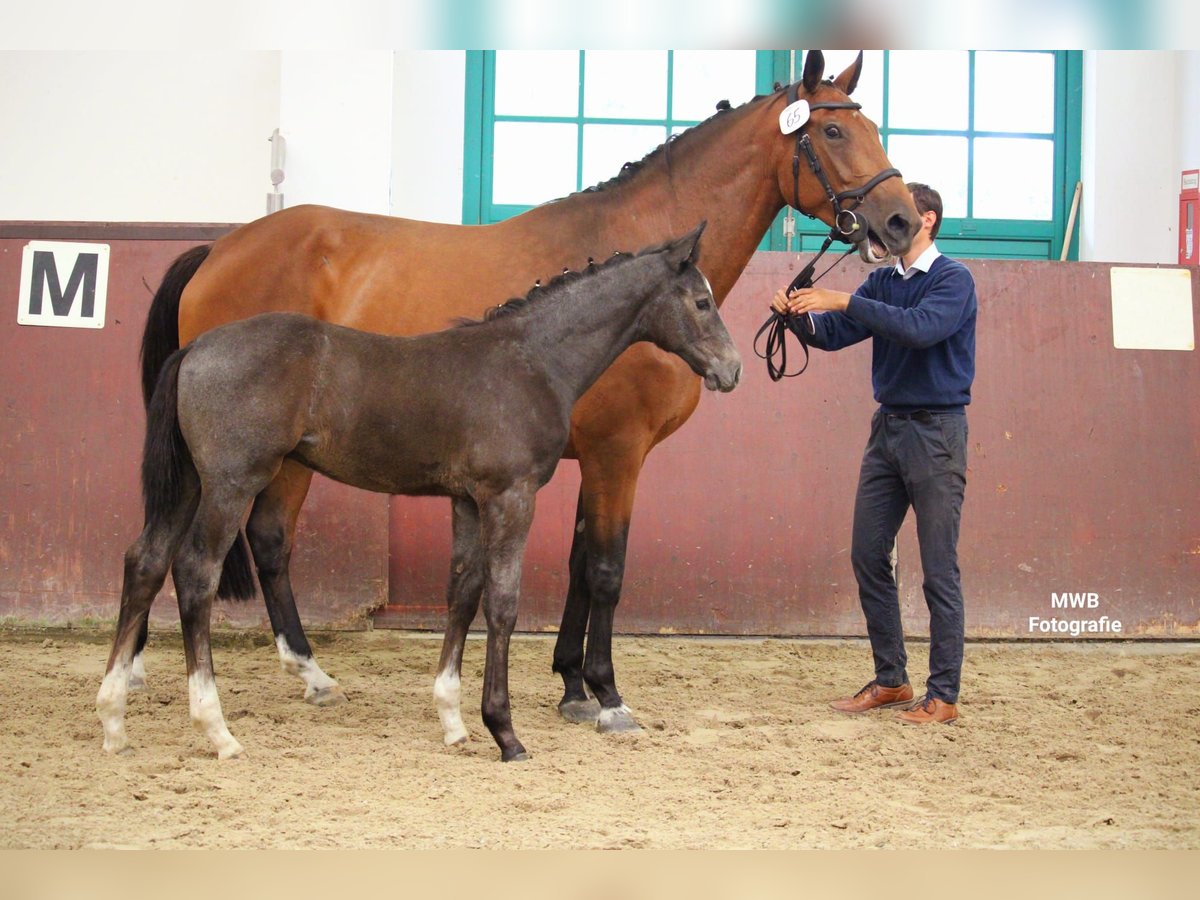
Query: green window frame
965,237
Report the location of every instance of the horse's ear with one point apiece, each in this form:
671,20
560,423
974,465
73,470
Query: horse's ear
687,248
848,80
814,70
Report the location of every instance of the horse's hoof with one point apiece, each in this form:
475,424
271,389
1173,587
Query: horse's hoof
327,696
456,739
231,751
580,711
617,720
120,747
136,683
518,756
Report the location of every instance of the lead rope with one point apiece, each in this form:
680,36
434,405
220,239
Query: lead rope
776,327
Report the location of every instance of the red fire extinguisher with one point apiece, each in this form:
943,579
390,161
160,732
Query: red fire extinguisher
1189,199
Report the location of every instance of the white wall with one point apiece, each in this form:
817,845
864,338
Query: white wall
136,136
335,111
1132,150
427,135
1188,86
182,137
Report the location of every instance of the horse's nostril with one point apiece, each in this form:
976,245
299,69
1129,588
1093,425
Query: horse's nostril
898,224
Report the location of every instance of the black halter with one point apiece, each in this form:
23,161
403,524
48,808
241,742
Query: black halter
847,227
847,224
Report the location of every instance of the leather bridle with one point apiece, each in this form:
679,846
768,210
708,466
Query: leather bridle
847,224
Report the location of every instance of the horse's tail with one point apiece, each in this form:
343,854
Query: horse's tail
161,337
168,474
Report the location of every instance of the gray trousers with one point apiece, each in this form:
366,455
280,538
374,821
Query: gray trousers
918,460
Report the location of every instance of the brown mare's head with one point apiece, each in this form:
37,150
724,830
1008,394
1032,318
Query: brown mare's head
846,145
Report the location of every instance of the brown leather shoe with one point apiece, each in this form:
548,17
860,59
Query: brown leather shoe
929,711
875,696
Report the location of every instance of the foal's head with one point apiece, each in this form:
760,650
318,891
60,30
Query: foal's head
682,317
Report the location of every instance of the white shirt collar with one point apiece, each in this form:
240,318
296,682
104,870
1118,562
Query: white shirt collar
922,263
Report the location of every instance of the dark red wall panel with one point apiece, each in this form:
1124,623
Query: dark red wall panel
1083,477
71,427
1083,474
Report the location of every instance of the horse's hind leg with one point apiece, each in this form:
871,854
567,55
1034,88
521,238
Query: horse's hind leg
197,573
462,602
146,565
137,672
271,531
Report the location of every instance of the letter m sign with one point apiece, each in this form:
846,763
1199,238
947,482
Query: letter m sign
63,284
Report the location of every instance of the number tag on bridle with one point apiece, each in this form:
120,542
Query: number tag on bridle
793,117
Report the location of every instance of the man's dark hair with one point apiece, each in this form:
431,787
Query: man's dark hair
927,200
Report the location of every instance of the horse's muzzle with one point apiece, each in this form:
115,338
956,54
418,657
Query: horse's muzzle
724,377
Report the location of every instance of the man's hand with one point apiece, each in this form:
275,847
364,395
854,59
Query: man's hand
806,300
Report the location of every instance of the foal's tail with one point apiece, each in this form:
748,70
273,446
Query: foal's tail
168,474
161,337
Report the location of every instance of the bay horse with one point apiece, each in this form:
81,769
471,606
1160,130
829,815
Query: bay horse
480,414
396,276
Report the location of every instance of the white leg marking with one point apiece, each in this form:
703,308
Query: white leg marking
207,716
315,679
137,675
607,715
110,707
447,692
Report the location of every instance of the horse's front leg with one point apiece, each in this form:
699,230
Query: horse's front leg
271,531
609,486
504,522
576,704
462,602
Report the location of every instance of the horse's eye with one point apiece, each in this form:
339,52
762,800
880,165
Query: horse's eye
833,131
703,304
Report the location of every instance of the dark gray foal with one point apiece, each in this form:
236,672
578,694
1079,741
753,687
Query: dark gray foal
480,414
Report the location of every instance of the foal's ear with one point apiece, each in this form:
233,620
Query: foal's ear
814,70
687,248
848,80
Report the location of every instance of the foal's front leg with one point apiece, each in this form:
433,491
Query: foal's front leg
504,529
462,602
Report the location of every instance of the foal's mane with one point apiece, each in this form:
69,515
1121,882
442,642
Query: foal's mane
557,285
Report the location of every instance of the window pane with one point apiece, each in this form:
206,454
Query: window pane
606,148
928,89
537,82
1014,91
704,77
940,162
869,91
1014,178
625,84
533,162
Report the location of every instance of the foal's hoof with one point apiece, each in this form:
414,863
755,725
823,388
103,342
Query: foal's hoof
515,756
232,750
136,683
617,720
327,696
580,711
117,747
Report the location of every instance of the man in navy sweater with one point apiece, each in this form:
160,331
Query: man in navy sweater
920,315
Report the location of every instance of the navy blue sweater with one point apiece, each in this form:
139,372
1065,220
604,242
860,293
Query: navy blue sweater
923,355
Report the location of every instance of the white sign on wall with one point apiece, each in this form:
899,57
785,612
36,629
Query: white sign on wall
63,284
1152,309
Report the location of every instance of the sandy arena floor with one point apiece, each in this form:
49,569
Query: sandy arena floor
1086,745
